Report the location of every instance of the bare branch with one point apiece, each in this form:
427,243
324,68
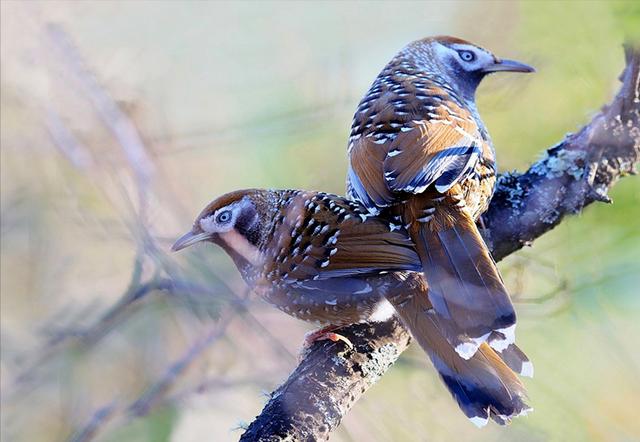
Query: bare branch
571,175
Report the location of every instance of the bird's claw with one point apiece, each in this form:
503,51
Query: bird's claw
326,333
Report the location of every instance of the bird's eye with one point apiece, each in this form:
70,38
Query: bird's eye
224,217
467,56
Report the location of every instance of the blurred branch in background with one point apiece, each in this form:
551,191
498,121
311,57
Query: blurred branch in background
112,116
153,395
131,143
165,277
579,170
99,418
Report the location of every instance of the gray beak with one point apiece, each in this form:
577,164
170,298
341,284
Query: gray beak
189,239
508,66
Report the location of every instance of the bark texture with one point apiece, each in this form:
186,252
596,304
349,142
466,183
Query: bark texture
576,172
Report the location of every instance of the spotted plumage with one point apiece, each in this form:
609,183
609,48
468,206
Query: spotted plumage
314,255
418,151
327,260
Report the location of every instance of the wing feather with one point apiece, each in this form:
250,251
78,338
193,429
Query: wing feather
406,142
431,153
339,239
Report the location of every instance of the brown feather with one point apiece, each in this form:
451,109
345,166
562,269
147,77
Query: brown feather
517,360
340,237
447,39
417,148
367,163
465,285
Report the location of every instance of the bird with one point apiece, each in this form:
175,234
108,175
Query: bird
420,154
327,260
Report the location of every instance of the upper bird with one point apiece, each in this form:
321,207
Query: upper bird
419,151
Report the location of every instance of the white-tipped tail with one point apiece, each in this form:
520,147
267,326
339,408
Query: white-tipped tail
467,349
480,421
527,369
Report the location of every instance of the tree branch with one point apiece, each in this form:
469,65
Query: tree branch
571,175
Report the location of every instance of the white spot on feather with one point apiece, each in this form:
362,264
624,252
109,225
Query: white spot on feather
383,311
394,152
509,338
467,349
479,421
527,369
523,412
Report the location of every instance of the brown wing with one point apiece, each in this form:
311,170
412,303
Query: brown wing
365,179
324,236
437,151
413,134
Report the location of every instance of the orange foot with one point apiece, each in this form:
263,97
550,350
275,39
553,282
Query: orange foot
323,334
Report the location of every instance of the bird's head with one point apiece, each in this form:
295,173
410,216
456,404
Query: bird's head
236,221
462,63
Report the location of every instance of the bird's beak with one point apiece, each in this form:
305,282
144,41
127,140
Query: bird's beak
188,239
508,66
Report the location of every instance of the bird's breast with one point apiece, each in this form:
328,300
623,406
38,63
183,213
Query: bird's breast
325,306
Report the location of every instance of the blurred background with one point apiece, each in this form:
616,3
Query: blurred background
120,120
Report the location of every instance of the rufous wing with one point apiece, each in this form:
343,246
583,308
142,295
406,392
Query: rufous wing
435,151
395,151
332,237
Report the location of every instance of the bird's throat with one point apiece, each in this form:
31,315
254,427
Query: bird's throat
241,250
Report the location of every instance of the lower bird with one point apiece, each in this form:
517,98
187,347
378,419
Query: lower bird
325,259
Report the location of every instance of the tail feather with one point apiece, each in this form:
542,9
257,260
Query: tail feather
516,360
483,385
465,287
